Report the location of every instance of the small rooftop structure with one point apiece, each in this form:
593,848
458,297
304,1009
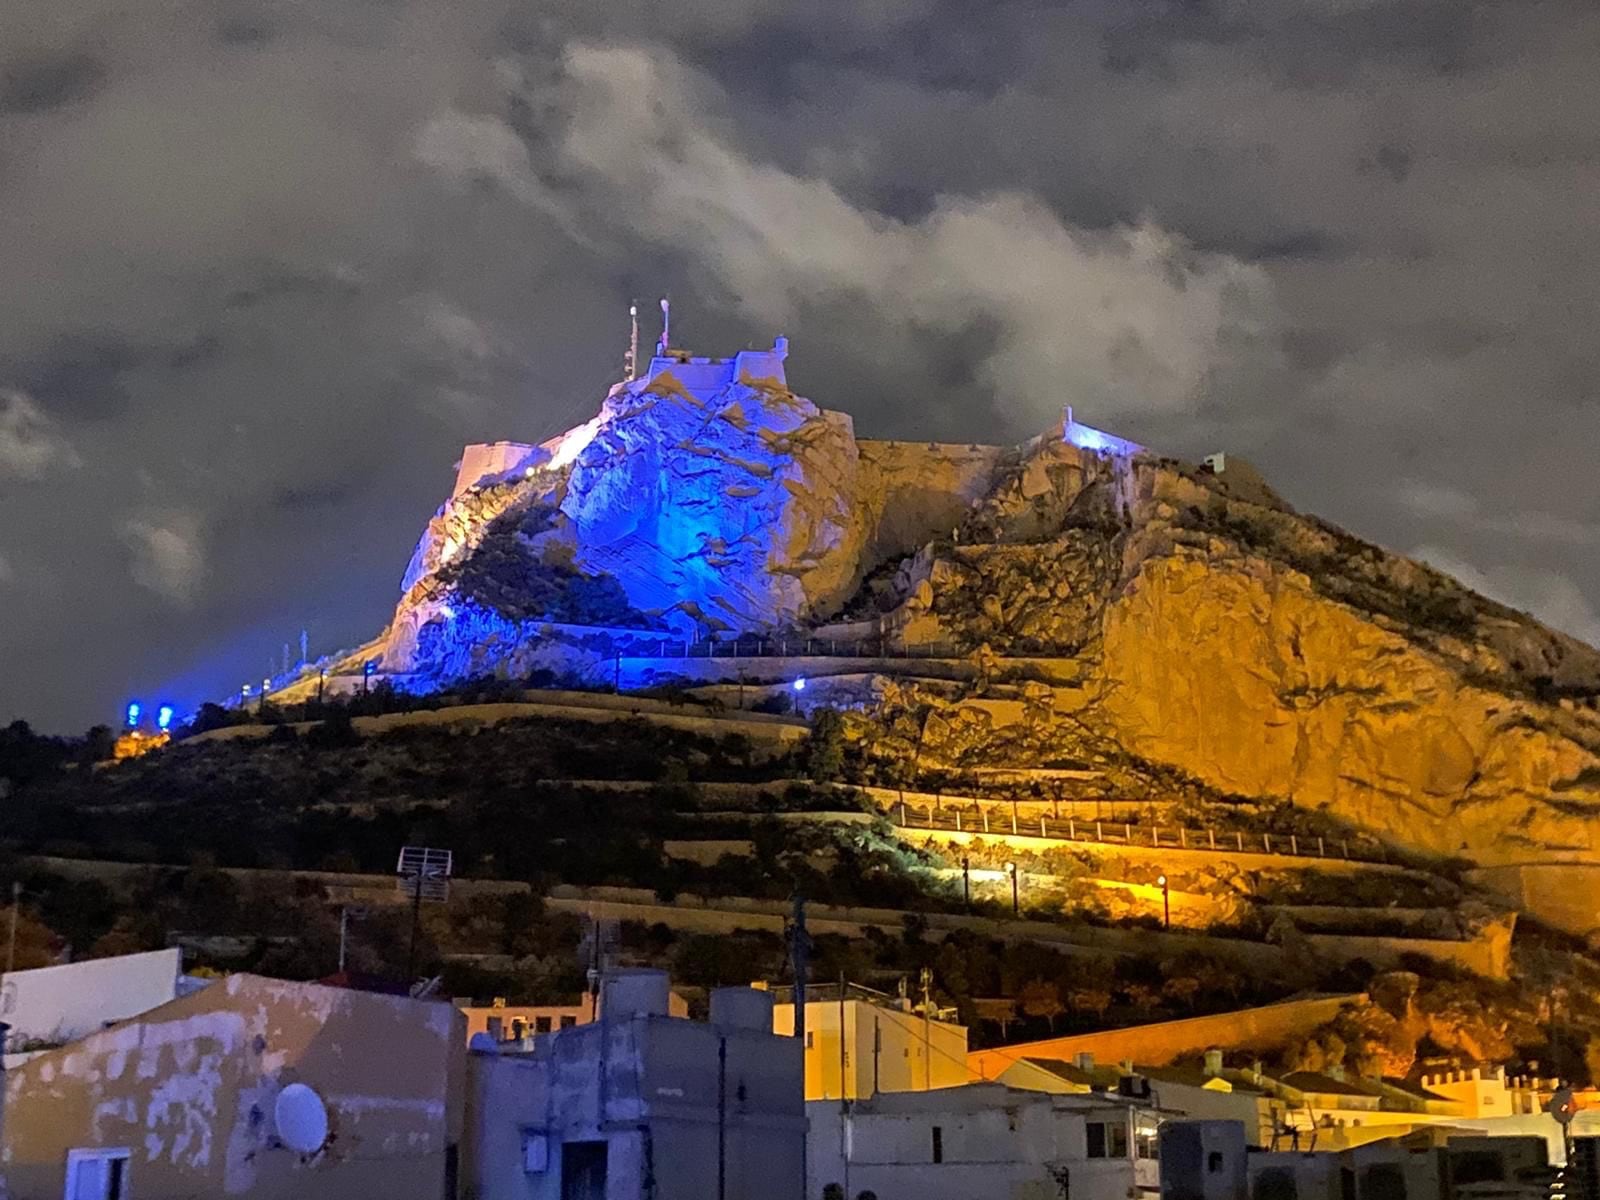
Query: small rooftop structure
1087,437
50,1006
641,1104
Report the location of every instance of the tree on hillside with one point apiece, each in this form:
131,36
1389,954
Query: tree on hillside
1092,1000
824,754
1041,998
37,944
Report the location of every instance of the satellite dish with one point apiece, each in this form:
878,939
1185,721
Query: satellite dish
302,1119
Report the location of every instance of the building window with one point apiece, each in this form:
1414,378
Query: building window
938,1144
568,1021
97,1174
1107,1139
541,1024
1214,1163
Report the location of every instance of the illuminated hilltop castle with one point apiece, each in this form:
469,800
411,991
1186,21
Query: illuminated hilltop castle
704,498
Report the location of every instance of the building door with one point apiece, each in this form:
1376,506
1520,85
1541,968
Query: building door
583,1171
97,1175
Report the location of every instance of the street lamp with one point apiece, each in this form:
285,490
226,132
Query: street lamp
266,686
1016,896
1166,902
799,686
133,714
164,717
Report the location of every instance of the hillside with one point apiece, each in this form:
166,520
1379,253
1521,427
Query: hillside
688,838
1077,604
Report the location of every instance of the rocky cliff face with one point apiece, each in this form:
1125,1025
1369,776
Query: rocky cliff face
735,510
702,502
1269,655
1157,625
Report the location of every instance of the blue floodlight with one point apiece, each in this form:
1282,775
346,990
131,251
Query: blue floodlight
133,714
164,716
799,685
244,689
369,667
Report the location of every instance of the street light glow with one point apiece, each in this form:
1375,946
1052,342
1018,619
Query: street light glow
133,713
164,716
799,685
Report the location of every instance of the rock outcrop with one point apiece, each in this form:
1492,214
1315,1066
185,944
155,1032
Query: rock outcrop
1161,625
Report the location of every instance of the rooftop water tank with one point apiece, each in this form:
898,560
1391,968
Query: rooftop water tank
633,993
741,1008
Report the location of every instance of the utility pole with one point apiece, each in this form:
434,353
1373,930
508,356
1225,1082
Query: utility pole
799,951
966,883
11,942
927,1029
416,926
346,911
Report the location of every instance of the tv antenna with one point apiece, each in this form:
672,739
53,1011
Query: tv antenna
666,325
631,365
597,950
423,873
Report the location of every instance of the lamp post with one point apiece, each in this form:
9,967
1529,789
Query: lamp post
1166,903
322,679
799,688
966,884
266,686
1016,895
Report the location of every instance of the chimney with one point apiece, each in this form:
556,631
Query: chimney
1084,1061
1213,1063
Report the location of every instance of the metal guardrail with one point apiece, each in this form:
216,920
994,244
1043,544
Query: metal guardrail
995,820
798,647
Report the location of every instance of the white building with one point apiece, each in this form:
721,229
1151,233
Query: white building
1207,1160
51,1006
884,1046
983,1140
640,1105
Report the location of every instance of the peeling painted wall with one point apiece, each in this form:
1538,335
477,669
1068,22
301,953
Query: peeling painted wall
189,1090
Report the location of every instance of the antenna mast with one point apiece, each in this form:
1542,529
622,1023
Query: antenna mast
631,367
666,325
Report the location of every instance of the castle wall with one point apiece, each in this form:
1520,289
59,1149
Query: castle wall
488,459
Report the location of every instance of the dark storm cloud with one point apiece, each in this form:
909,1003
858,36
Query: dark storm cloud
270,264
38,85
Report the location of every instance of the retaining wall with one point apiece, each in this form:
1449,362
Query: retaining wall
1156,1045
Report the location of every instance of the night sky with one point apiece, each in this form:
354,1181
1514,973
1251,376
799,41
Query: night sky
266,266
